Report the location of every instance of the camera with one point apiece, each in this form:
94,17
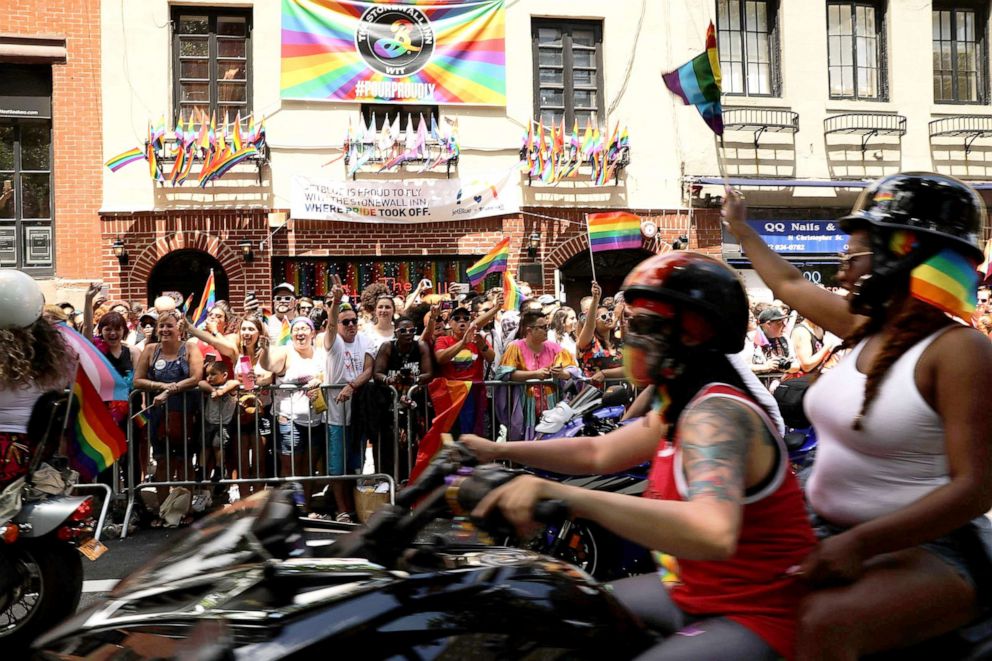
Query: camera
784,363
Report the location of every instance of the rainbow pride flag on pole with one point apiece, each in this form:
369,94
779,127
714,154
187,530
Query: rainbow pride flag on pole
494,262
109,384
697,83
94,441
512,298
613,230
207,300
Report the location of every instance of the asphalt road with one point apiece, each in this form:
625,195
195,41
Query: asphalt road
122,558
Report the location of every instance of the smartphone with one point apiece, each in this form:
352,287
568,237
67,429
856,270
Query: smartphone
447,304
426,283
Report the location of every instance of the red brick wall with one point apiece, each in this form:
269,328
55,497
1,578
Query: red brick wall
76,122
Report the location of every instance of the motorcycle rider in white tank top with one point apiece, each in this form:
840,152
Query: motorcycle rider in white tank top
903,474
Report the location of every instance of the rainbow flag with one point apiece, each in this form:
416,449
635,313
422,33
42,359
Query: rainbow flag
948,281
494,262
284,334
94,441
448,396
613,230
697,83
512,298
110,385
126,158
207,301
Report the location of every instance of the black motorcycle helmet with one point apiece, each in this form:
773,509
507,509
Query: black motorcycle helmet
940,211
709,298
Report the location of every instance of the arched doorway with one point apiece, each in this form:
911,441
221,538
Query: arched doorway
186,272
612,267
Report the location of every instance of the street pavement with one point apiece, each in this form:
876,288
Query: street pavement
123,556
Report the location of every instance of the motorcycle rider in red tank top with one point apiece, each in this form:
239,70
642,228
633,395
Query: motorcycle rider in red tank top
720,498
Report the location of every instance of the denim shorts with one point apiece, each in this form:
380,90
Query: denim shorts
967,550
294,438
344,452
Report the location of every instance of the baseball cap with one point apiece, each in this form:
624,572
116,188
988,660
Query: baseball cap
148,314
546,299
770,314
284,285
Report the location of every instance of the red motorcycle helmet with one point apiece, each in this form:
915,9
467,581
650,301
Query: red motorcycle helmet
705,294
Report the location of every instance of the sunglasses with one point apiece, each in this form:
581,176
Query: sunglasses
845,258
607,316
405,331
349,322
281,299
460,318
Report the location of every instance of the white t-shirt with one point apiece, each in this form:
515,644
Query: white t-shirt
345,361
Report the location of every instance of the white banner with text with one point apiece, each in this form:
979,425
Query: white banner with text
406,200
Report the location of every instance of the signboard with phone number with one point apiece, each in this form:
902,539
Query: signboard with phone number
789,237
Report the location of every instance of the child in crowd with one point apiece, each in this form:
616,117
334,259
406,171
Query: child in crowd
219,411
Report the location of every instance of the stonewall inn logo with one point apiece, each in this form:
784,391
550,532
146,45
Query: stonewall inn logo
395,41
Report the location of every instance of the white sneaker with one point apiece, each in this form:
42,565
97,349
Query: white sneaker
234,494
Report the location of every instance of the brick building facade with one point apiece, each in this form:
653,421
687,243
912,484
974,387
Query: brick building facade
53,43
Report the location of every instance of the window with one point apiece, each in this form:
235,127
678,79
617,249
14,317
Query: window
26,240
855,50
211,53
748,45
568,65
958,55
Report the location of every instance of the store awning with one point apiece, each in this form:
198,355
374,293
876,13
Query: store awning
33,49
738,182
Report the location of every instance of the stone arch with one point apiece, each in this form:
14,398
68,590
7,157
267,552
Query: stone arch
229,260
580,242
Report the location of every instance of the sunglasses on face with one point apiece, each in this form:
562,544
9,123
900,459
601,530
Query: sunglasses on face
405,331
606,316
647,324
282,299
349,322
845,258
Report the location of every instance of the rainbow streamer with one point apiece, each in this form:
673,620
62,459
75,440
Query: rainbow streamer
948,281
697,83
126,158
614,230
321,60
110,385
94,441
512,298
494,262
207,300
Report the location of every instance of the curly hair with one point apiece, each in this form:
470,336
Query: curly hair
371,294
35,356
915,321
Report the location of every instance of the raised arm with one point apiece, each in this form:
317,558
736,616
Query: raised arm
824,308
589,324
223,343
337,293
91,292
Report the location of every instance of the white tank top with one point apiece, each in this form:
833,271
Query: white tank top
898,456
295,405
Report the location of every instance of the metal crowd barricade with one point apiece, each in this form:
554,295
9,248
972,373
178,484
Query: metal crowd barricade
188,438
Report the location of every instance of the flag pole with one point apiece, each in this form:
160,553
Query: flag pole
592,255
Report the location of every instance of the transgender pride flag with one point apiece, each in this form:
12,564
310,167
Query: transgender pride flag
110,385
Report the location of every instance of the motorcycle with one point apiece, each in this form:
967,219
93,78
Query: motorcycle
247,583
41,572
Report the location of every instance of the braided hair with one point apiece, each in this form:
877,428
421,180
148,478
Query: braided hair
915,321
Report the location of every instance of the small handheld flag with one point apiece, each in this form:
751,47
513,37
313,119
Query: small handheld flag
494,262
207,300
613,231
512,298
697,83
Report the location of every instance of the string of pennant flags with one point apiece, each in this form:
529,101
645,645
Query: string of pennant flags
553,155
200,138
430,144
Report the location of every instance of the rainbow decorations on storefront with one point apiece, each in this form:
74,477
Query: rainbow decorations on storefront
697,83
553,155
614,230
94,441
388,146
312,277
417,52
216,146
494,262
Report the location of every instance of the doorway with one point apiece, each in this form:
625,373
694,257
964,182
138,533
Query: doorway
186,272
612,267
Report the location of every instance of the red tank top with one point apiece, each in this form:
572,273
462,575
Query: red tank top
750,587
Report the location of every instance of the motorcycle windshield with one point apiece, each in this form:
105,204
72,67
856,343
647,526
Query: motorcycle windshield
252,530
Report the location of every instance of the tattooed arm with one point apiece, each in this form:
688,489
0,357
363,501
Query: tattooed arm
716,436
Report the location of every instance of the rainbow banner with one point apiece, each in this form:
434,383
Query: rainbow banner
436,52
512,298
110,385
697,83
613,230
948,281
494,262
125,158
94,441
207,300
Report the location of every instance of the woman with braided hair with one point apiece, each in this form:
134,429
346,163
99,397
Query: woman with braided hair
903,473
